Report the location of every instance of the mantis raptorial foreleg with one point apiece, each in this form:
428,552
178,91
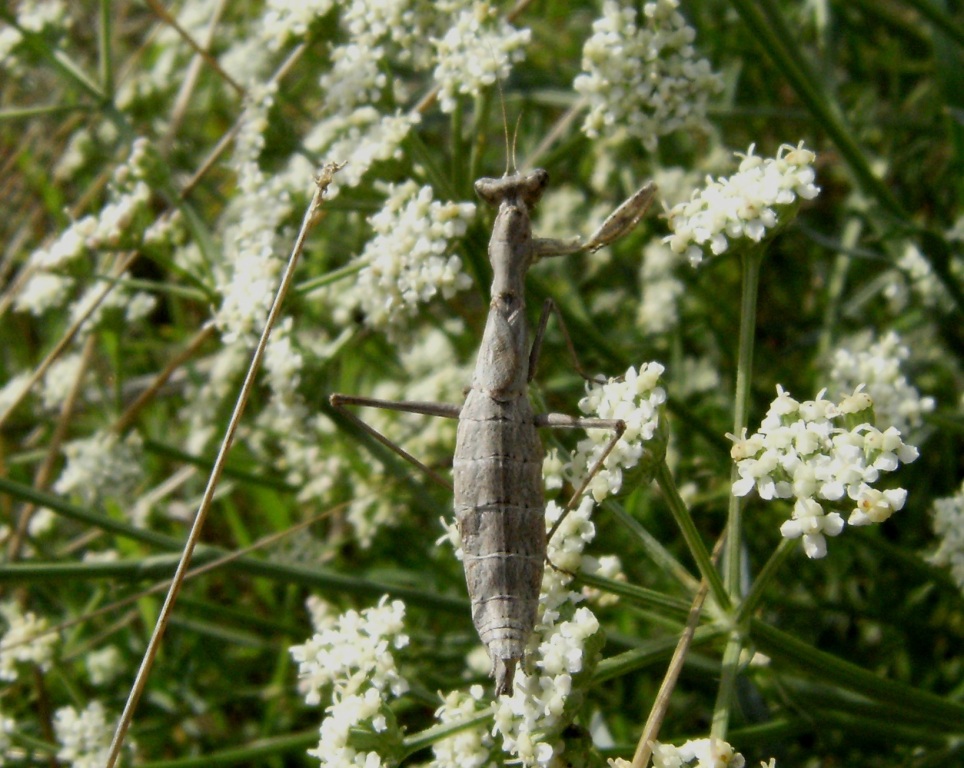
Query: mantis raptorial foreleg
618,223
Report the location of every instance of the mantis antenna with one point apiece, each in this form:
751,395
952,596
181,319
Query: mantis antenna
509,157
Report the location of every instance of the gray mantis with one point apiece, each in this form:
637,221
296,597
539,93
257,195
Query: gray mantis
497,470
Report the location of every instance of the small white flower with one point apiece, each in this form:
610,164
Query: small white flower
43,291
247,276
803,452
353,651
810,521
475,52
286,19
877,365
746,206
26,640
104,665
101,466
636,398
644,80
406,263
658,308
698,753
875,506
84,735
349,713
469,748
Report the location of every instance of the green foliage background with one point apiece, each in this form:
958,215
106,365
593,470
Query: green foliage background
875,88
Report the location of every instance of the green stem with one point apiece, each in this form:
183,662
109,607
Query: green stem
684,520
104,49
429,736
334,276
724,698
752,258
788,651
784,549
941,21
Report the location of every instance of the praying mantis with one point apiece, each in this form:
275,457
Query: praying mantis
497,468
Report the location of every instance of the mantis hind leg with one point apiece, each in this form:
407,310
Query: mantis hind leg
445,410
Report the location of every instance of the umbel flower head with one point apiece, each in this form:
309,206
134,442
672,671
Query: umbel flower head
409,259
638,399
352,655
698,753
644,79
821,454
748,206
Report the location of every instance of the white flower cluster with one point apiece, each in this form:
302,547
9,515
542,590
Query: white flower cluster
407,260
532,719
356,127
285,19
877,365
352,650
698,753
399,28
356,78
469,747
808,452
747,206
644,80
915,276
948,522
475,52
60,379
84,736
247,275
353,653
136,305
347,717
13,389
25,641
283,362
104,665
636,398
47,286
101,466
358,140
